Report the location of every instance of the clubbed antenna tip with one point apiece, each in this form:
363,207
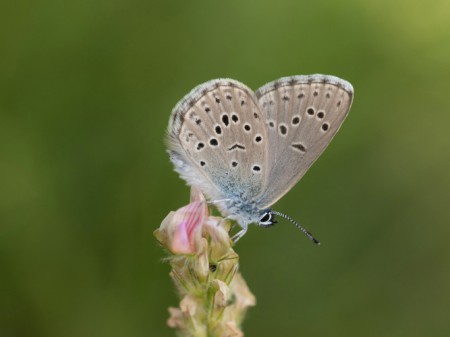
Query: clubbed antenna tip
304,231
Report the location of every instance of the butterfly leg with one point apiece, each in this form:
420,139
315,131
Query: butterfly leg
239,234
233,225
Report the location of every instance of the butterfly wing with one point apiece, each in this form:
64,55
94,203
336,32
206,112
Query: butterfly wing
302,114
217,141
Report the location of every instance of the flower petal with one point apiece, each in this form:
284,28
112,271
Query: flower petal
189,221
196,194
181,231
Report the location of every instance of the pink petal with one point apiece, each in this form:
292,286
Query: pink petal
187,232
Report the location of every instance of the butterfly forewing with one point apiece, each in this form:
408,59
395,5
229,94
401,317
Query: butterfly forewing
302,114
218,140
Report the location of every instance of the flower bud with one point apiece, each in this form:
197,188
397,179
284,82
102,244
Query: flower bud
181,231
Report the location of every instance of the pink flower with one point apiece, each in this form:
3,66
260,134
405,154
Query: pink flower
181,231
204,268
187,228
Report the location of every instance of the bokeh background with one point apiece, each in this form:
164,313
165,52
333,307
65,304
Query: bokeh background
86,89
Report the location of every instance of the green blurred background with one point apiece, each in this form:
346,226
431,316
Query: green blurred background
86,89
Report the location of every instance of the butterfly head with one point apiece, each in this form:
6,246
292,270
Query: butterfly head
267,218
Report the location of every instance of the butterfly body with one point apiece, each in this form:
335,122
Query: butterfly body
246,149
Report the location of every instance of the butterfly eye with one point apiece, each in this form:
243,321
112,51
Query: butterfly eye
266,218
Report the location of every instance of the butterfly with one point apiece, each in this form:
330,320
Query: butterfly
245,150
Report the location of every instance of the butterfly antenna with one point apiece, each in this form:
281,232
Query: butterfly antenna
308,234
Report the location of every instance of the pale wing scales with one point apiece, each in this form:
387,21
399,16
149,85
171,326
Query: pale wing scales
210,143
302,113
